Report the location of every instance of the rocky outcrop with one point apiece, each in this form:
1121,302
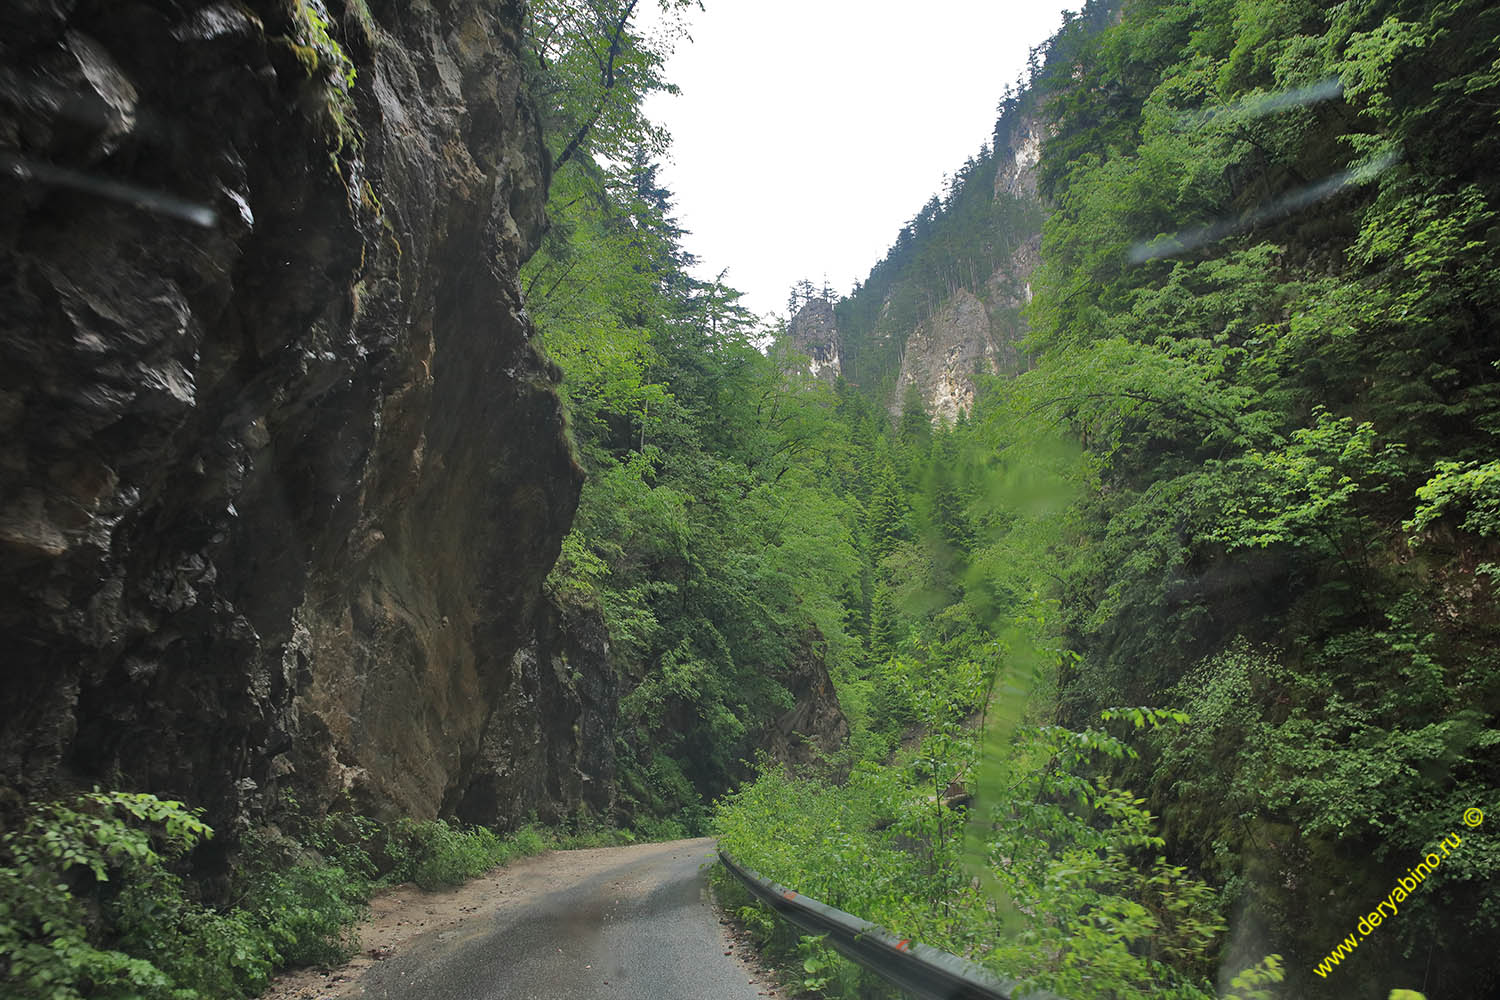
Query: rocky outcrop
549,744
280,470
944,354
814,331
1017,160
815,726
979,332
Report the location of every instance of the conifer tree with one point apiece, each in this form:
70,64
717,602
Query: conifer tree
914,432
949,519
888,516
884,630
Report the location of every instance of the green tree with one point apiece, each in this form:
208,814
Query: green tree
888,514
591,72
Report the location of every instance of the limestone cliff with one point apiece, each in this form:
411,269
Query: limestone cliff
815,332
945,353
1017,160
280,470
978,330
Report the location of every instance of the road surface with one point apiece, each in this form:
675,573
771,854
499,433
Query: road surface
631,923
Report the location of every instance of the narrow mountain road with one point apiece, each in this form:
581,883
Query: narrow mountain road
625,923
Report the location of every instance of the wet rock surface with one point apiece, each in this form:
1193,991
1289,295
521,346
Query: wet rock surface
280,470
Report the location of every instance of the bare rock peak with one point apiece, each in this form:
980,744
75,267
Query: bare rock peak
814,332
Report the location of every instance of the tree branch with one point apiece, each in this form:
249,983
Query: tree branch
607,80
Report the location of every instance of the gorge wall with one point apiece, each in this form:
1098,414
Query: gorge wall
978,331
946,304
278,488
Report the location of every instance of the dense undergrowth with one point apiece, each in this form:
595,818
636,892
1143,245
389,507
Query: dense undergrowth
1265,313
1056,878
92,905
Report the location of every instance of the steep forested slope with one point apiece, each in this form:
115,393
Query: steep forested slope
1264,309
1266,304
717,552
974,241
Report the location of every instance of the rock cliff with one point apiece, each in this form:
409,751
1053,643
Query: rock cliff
979,331
814,332
280,469
1017,160
944,354
815,726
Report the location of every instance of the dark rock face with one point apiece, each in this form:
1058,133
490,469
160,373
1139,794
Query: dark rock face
815,725
549,746
277,493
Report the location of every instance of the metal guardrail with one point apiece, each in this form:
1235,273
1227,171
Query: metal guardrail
923,972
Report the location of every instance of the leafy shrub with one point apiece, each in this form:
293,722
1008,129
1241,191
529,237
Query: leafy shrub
527,841
355,843
88,907
433,853
457,855
308,911
109,848
666,805
652,828
1086,905
202,950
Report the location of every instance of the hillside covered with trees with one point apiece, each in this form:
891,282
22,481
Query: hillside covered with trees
1264,315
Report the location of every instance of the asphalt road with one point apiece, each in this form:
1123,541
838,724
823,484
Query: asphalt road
641,929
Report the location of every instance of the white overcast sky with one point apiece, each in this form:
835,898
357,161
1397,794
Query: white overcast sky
809,131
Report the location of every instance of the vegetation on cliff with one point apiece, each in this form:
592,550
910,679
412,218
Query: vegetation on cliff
1279,399
1144,678
1265,310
